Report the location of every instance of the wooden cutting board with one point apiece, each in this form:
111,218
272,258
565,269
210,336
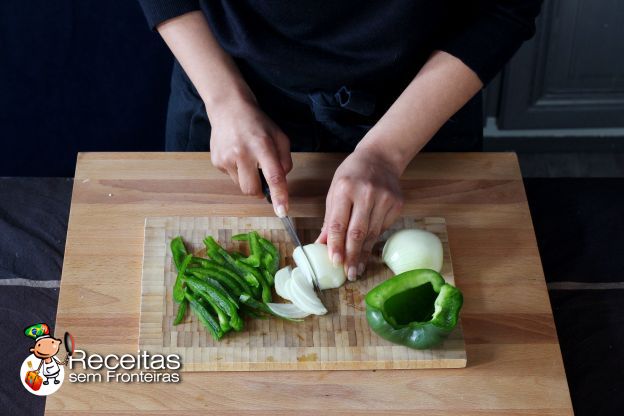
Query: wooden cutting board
340,340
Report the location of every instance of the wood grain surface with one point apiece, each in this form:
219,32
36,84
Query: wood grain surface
339,340
514,360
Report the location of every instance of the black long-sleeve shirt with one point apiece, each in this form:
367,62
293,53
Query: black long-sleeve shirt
376,48
306,44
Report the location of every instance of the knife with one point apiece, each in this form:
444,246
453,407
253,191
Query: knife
292,233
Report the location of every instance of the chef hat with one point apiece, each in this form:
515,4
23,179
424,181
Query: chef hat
38,331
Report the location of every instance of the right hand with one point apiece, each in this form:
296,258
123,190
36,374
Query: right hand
243,139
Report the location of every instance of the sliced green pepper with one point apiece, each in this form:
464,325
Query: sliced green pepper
178,251
202,273
205,317
269,259
181,312
245,271
417,309
178,287
223,304
254,274
227,271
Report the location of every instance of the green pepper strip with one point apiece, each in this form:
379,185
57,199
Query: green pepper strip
227,271
255,256
437,319
246,272
178,251
213,252
262,307
216,297
266,289
205,317
202,273
181,312
272,250
255,249
240,237
215,284
178,287
270,255
268,277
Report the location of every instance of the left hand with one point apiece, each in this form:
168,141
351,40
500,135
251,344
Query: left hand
364,199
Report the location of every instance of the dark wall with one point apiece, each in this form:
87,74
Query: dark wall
77,75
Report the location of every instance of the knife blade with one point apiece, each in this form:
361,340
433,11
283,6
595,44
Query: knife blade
289,226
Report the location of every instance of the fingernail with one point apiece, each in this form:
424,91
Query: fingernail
337,259
280,211
352,273
361,268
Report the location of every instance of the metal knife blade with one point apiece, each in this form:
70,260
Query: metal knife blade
292,233
290,228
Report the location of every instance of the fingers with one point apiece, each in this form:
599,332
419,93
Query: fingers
356,235
276,179
336,223
248,178
322,238
386,210
282,144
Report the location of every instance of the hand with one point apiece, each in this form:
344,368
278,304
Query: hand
363,200
244,139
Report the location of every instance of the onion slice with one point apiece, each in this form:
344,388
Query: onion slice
287,310
282,277
303,294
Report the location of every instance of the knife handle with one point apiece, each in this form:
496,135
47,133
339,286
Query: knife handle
265,186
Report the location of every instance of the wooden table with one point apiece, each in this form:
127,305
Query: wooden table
514,361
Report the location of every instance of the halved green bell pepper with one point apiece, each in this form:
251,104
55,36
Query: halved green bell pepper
416,308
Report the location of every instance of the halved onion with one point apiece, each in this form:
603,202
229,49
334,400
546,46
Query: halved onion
412,249
329,276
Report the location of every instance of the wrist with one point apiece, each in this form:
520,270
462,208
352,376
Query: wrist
395,160
235,97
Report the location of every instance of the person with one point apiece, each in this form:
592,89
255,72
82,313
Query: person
255,80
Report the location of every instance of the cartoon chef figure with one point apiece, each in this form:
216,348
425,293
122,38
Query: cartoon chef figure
45,348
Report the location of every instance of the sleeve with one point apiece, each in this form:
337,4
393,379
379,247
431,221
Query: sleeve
489,37
157,11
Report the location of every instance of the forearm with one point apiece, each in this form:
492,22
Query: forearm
212,71
439,90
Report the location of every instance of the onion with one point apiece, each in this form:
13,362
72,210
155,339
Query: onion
287,310
329,276
282,277
294,286
413,249
303,295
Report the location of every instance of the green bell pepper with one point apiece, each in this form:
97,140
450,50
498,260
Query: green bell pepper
416,308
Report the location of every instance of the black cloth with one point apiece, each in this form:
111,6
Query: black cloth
580,234
33,224
334,67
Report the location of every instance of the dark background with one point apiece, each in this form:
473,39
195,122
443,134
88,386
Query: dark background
78,75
